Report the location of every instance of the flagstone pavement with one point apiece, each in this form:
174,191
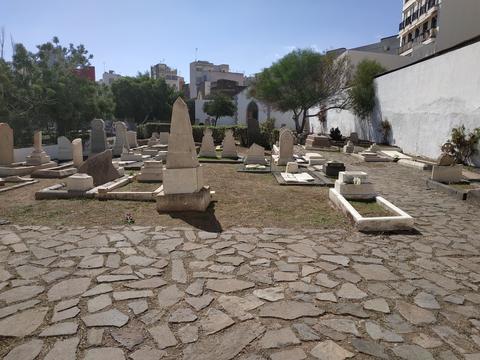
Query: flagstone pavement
147,293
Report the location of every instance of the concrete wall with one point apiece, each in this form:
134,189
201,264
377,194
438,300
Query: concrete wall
423,102
388,61
459,21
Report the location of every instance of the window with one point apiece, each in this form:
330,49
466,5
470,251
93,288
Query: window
417,33
434,22
410,38
425,26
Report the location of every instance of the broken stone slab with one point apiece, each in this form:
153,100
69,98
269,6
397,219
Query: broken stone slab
290,310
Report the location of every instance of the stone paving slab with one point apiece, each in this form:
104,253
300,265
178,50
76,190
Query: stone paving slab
177,293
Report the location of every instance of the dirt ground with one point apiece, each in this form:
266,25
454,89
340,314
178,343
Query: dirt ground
241,199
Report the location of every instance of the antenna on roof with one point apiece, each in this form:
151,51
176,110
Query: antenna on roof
196,54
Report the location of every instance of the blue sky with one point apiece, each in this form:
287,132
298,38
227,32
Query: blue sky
129,36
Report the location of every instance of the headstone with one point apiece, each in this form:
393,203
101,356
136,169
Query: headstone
354,138
77,150
446,171
183,183
354,185
255,155
229,149
253,130
121,140
317,141
152,171
79,182
333,168
286,142
373,148
64,149
314,159
128,155
38,156
6,144
98,138
164,137
349,147
132,139
292,168
100,167
207,148
153,141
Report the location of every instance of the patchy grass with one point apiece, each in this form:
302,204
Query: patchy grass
370,208
465,186
241,199
138,186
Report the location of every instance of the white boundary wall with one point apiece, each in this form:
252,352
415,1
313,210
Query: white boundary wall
423,102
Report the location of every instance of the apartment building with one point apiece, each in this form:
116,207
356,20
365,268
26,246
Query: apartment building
204,73
429,26
171,77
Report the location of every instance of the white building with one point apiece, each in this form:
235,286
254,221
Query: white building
171,77
430,26
203,73
247,107
109,77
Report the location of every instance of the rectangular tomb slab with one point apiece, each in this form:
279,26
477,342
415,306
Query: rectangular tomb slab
399,221
348,176
447,174
363,191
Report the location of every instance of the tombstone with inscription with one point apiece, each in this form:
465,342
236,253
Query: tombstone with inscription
132,139
255,155
286,142
38,156
98,137
446,170
64,149
6,144
207,149
183,182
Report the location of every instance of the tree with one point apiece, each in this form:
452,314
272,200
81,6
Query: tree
141,98
362,91
302,80
221,105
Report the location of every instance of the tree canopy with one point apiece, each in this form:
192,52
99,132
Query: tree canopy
362,91
221,105
302,80
41,90
143,99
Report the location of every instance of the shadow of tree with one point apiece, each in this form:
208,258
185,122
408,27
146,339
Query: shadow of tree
206,221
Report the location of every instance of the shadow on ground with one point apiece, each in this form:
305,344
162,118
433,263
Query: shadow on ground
206,221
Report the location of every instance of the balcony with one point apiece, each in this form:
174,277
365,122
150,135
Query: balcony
423,37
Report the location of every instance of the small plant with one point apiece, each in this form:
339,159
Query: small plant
465,144
386,130
336,134
129,220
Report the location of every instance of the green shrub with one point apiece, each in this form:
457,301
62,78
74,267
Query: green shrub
144,131
218,133
268,134
465,144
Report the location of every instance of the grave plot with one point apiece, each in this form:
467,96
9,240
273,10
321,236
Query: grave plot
14,182
448,177
57,172
255,161
128,189
355,196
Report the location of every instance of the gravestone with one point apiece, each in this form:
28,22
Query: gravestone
6,144
373,148
77,150
64,149
446,171
354,185
183,183
38,156
286,141
354,138
333,168
98,138
253,131
207,148
121,140
349,147
255,155
132,139
229,149
152,171
100,167
317,141
163,137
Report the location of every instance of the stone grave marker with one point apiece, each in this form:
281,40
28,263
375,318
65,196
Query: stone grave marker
100,167
6,144
229,149
77,152
64,149
286,142
121,140
98,138
38,156
132,139
207,148
255,155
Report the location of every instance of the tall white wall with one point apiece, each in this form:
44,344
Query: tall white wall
423,102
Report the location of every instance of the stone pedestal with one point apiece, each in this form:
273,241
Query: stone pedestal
354,185
38,158
181,181
197,201
77,149
317,141
333,168
79,182
152,171
349,147
292,168
447,174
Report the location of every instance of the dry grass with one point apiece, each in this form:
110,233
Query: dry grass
241,199
370,208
